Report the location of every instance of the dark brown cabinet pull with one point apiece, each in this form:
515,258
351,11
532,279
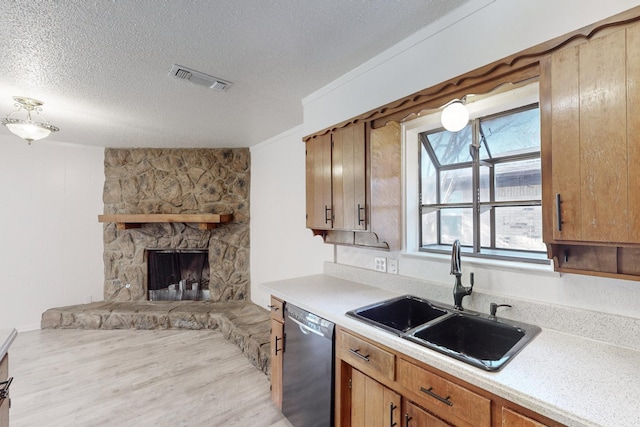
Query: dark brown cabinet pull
361,219
444,400
326,210
392,408
357,353
278,349
4,391
407,418
558,212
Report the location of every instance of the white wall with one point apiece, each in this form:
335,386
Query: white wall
51,241
281,246
479,33
476,34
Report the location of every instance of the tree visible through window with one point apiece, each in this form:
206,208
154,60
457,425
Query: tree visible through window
482,185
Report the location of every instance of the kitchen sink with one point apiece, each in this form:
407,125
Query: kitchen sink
483,342
475,338
398,315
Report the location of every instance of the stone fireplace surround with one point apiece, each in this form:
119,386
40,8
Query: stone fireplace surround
185,181
177,181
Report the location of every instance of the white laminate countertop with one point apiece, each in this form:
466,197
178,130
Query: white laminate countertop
6,338
573,380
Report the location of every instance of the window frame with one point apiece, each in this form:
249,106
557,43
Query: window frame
518,99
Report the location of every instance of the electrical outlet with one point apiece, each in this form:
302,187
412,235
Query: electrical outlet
392,266
381,264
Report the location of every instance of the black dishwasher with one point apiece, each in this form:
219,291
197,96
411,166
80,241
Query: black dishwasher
307,369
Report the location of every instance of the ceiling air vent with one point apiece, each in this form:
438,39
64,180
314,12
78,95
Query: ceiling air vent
198,78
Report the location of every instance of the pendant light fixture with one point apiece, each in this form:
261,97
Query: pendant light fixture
455,115
27,128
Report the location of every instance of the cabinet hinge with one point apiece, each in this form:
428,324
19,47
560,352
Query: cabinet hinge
350,383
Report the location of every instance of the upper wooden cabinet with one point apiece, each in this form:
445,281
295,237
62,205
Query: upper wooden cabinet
348,171
590,118
354,185
336,186
592,92
318,175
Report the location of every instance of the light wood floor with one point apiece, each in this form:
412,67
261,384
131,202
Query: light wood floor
136,378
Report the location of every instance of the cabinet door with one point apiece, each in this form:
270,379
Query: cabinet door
318,185
4,404
372,404
418,417
349,178
593,130
277,341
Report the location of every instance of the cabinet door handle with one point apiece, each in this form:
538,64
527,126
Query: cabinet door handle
4,391
392,408
360,355
273,307
278,349
407,418
444,400
558,212
361,218
327,218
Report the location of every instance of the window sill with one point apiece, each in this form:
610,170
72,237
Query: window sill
490,263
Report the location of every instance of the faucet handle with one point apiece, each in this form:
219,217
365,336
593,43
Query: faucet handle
493,308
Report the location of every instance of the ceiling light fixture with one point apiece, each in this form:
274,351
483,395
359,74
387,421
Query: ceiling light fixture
455,115
28,129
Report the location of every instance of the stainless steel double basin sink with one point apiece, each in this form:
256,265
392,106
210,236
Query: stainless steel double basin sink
481,340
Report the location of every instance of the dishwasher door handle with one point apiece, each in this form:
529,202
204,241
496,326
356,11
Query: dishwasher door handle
305,329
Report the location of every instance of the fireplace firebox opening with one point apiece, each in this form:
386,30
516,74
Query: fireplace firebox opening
177,274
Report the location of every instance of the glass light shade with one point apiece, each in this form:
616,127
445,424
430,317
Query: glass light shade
28,131
454,116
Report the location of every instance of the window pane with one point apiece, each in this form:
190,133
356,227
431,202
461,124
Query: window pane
456,224
518,180
512,134
451,147
456,186
485,227
519,227
485,188
429,178
429,228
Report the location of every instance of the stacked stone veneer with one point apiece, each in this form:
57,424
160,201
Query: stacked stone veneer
177,181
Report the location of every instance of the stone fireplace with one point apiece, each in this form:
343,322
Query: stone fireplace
177,181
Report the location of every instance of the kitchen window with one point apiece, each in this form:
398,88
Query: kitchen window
482,185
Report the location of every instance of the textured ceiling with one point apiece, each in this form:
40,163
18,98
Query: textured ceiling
101,67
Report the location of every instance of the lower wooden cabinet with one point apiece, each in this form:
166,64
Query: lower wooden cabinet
370,392
6,403
372,404
277,343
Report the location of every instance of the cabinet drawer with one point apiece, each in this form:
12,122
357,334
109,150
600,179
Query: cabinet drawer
277,309
513,419
366,357
444,398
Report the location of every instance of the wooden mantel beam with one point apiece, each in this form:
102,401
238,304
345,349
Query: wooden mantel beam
127,221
